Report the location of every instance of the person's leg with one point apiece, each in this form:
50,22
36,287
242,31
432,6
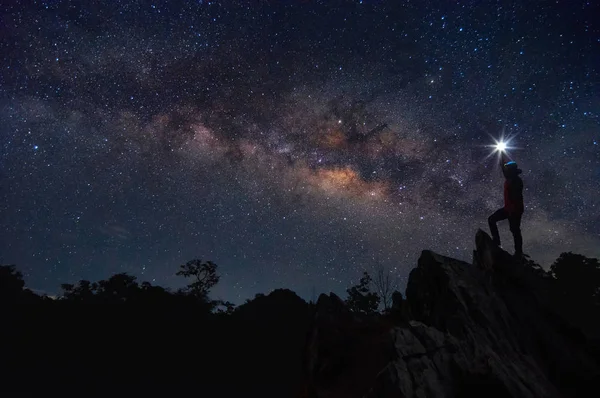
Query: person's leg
515,228
499,215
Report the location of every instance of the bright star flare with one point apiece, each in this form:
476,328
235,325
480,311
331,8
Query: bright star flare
501,146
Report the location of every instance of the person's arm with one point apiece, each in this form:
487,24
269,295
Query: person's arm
503,160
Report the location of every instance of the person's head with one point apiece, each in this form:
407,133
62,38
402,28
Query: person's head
510,169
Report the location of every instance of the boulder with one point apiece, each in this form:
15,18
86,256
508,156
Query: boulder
482,329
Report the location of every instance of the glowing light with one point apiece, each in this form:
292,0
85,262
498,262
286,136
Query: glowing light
502,145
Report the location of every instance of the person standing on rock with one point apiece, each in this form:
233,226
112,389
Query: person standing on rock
513,205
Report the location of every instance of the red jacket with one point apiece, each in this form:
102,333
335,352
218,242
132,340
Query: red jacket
513,195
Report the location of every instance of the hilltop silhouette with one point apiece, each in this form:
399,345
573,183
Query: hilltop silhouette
496,327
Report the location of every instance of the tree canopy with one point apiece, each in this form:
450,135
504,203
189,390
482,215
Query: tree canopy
361,299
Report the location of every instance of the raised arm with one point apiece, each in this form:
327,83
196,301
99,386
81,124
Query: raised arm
503,160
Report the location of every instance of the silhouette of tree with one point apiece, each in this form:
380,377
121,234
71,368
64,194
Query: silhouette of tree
203,275
149,288
224,307
82,291
578,277
385,285
122,287
11,282
361,299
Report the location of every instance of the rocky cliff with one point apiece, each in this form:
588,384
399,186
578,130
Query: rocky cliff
488,329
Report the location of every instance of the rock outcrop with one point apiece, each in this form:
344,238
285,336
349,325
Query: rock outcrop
487,329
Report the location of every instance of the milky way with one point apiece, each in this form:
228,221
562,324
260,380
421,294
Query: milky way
294,144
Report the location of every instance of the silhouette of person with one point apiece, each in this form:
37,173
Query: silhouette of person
513,205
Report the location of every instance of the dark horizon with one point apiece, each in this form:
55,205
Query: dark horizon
294,144
500,325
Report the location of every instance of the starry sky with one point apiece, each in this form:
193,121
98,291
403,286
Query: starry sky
293,143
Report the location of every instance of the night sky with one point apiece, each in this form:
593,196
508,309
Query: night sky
293,143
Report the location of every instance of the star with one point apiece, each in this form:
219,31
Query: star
218,131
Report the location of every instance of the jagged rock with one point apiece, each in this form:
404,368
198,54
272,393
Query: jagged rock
483,329
399,310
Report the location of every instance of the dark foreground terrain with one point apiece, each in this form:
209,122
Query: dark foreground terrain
494,328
